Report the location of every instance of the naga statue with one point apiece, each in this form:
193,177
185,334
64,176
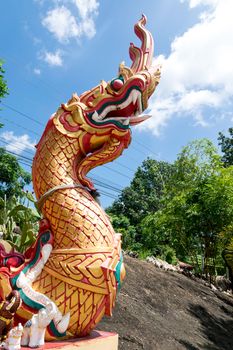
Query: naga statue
76,262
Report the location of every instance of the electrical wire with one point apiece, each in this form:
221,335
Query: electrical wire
20,126
28,162
21,149
21,113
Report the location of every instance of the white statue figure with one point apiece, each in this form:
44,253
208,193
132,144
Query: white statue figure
13,338
34,329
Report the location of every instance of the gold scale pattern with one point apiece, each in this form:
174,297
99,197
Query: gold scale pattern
83,239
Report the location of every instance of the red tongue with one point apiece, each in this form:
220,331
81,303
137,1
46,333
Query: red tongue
129,110
139,119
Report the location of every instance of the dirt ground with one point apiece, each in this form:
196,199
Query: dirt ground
159,310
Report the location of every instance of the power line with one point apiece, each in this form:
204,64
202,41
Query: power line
146,147
140,151
124,166
107,167
20,126
52,88
21,149
23,114
101,183
49,86
102,179
116,171
24,160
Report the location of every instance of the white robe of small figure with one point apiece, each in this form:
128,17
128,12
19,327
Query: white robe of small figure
34,329
14,338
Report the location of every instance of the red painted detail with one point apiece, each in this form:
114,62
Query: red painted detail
117,84
85,280
66,124
86,142
137,82
47,128
44,225
12,258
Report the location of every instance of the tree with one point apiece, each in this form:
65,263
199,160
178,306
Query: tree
3,85
197,207
17,219
226,144
143,195
122,225
12,177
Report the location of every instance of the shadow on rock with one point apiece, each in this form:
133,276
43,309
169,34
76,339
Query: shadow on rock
217,331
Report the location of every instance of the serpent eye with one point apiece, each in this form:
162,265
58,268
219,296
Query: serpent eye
116,84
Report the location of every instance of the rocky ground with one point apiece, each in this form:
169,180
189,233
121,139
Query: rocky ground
162,310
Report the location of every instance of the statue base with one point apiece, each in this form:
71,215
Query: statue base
97,340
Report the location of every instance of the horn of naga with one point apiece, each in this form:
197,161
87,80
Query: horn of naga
76,262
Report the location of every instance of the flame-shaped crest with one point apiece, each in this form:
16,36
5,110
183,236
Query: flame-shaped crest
142,57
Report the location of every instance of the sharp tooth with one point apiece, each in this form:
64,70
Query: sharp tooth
126,121
140,104
95,116
135,96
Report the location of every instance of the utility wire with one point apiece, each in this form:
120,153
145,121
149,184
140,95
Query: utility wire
116,171
21,149
20,126
116,162
23,114
96,180
28,162
49,86
147,148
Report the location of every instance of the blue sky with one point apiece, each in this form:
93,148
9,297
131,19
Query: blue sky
54,48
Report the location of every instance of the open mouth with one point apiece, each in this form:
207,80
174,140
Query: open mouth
126,111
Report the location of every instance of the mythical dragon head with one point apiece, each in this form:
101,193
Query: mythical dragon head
101,117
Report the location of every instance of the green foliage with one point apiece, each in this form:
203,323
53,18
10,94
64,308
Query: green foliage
3,85
18,222
122,225
12,177
196,208
226,143
144,193
181,211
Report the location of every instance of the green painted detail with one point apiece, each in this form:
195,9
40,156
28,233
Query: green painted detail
54,331
118,272
29,302
122,100
115,122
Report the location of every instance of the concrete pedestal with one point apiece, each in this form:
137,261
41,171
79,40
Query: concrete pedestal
98,340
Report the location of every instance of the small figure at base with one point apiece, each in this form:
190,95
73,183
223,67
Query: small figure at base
34,329
14,338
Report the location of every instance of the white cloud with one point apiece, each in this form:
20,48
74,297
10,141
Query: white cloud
53,59
198,73
194,3
17,144
87,7
37,71
65,25
62,24
88,27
